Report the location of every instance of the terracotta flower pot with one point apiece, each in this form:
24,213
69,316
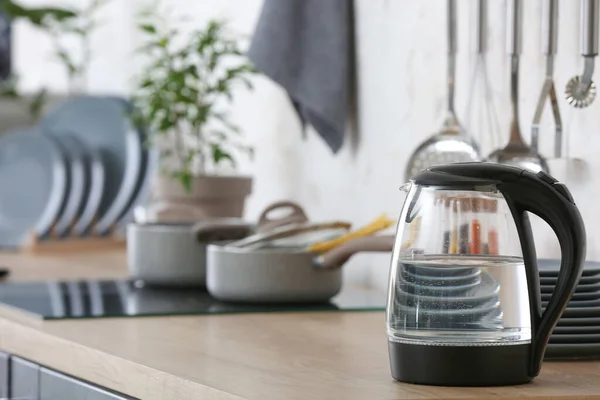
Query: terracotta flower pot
211,196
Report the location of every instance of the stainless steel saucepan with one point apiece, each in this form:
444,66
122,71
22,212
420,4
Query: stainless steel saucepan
283,274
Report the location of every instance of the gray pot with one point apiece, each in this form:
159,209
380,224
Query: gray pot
171,254
282,275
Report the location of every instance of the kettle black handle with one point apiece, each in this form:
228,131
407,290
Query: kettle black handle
549,199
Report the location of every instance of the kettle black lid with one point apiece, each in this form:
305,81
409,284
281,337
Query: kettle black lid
467,174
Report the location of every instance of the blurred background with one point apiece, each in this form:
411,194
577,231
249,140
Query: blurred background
399,50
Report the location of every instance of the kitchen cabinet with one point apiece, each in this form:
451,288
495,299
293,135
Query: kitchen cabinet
24,379
55,386
4,368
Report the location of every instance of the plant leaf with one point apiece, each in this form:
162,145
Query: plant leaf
218,154
36,16
163,42
146,83
148,28
185,177
66,60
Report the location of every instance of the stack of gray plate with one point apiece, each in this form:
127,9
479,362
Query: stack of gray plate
577,334
79,172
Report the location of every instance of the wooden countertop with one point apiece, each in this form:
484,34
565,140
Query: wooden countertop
324,355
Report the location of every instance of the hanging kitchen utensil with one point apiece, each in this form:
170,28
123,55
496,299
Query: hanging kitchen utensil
486,125
452,143
563,167
581,90
549,44
568,169
516,152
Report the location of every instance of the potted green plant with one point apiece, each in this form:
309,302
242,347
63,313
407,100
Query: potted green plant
181,97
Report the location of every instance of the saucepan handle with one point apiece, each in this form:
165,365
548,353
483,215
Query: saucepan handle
338,256
221,230
297,216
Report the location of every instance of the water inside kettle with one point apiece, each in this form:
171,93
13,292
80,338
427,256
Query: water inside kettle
459,299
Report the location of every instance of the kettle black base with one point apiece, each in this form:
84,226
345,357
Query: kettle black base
460,365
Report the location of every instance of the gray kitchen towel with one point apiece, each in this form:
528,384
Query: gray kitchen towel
306,46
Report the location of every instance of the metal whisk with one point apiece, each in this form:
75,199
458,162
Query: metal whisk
549,44
486,125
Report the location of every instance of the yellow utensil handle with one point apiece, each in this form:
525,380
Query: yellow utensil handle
382,222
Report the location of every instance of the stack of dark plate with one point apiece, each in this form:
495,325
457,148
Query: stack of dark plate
577,334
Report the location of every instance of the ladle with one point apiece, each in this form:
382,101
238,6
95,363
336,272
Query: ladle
516,152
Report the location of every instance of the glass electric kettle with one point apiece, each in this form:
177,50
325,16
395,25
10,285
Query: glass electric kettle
464,303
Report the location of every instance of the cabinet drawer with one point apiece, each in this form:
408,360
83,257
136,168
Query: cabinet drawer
4,368
57,386
24,379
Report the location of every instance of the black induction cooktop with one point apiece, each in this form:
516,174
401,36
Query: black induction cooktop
122,298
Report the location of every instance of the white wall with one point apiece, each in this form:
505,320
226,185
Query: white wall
401,48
